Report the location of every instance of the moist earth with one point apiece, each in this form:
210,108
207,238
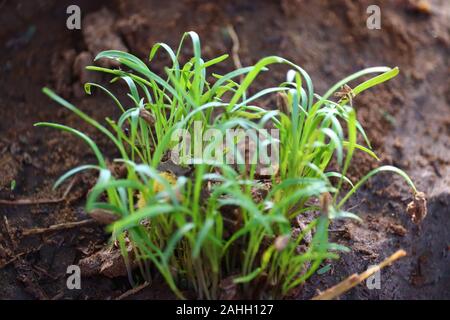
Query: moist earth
407,120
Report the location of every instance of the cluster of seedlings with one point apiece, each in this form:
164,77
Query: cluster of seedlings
222,230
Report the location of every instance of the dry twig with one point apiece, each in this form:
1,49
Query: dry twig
19,256
356,279
40,201
57,227
236,46
10,233
133,291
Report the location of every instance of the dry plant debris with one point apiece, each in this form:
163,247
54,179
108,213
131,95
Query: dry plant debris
417,209
356,279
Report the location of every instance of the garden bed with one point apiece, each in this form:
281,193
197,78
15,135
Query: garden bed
407,121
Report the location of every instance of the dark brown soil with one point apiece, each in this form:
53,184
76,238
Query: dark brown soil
407,120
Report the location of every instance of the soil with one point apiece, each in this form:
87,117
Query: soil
407,120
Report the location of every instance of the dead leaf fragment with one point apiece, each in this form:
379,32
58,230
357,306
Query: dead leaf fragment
281,242
103,216
147,116
417,209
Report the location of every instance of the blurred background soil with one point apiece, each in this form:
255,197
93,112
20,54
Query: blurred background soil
407,120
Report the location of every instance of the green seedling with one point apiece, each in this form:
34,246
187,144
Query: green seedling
223,230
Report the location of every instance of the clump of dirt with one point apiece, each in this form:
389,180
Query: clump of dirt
61,67
100,35
108,262
8,170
